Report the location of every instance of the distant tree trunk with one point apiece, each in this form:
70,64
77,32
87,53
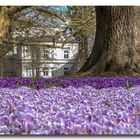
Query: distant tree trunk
32,60
35,61
1,67
114,50
38,62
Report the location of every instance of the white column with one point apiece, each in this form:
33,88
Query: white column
41,72
50,73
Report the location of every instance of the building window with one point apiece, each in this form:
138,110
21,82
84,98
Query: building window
26,53
45,54
53,73
66,54
28,72
66,71
45,71
37,72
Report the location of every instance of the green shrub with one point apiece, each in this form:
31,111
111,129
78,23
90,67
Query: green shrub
128,84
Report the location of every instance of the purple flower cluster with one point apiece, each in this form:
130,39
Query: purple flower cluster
97,83
73,110
15,82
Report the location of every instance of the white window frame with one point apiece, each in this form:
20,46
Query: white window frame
66,54
28,72
66,71
37,71
26,53
45,71
45,53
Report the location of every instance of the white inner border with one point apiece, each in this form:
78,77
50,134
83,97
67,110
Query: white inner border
67,2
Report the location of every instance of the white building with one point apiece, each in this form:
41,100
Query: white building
44,61
41,61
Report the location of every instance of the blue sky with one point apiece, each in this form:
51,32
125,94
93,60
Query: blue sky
60,8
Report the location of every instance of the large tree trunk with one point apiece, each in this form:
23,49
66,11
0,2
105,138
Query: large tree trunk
114,50
137,39
6,15
4,23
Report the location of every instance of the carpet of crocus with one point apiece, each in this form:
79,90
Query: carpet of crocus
70,106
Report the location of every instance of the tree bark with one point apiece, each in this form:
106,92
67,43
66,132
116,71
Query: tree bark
1,67
6,16
137,39
114,50
4,23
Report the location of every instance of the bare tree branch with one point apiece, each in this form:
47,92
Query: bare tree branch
32,43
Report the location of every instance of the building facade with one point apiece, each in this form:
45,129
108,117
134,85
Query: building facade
48,62
41,61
